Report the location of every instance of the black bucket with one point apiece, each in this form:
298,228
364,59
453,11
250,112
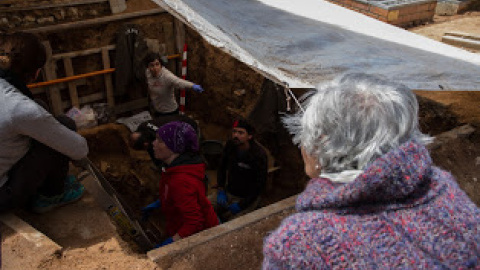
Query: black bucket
212,152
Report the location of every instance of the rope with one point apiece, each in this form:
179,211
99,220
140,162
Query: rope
289,95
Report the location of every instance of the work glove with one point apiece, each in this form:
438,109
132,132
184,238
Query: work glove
164,243
197,88
147,210
222,198
234,208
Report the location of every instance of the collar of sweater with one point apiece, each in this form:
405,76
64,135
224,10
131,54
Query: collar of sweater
400,177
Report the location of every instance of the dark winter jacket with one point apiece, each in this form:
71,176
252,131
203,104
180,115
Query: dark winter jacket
183,197
243,175
130,51
401,213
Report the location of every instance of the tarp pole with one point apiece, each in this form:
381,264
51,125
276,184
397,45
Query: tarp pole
184,76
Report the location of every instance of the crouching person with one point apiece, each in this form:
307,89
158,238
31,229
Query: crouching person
241,175
35,148
183,199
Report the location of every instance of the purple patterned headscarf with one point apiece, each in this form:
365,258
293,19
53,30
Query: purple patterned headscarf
179,137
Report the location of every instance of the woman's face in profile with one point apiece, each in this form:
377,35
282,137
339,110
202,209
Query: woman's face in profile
161,150
312,168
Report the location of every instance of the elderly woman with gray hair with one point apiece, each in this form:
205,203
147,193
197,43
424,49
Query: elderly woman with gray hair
375,199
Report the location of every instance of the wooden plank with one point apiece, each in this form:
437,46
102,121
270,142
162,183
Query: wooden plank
28,232
85,99
61,86
72,87
463,35
169,42
92,22
82,53
462,42
108,78
179,41
48,6
71,78
132,105
51,74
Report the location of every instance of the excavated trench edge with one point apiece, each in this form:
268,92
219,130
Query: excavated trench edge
165,255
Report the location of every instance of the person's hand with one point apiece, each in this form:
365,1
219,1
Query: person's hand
147,210
234,208
197,88
222,198
164,243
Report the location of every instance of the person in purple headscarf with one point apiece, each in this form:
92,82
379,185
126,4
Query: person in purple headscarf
183,199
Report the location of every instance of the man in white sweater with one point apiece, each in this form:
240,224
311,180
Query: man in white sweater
35,148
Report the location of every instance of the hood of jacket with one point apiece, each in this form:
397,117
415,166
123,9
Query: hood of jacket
188,163
400,178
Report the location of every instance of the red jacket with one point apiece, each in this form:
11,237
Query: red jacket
184,203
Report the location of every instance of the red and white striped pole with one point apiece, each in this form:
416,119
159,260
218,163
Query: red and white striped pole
184,76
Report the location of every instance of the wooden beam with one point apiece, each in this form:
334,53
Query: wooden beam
91,22
61,86
48,6
179,30
132,105
72,87
169,42
51,74
72,78
108,78
85,99
82,53
462,39
29,233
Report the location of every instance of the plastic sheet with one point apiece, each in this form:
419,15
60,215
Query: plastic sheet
305,42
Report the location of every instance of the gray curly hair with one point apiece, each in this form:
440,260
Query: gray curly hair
353,120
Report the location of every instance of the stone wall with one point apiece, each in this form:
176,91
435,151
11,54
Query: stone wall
16,18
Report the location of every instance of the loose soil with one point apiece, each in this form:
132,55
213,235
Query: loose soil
89,239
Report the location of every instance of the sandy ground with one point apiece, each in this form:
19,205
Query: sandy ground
90,241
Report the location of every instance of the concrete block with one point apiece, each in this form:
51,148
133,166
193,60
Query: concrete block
450,7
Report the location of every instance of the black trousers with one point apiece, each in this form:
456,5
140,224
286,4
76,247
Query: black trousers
42,170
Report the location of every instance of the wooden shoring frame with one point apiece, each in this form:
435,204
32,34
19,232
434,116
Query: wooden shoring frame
52,81
174,35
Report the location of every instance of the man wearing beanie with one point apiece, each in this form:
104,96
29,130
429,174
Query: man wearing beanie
242,173
183,199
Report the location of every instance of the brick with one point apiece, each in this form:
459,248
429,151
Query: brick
382,18
360,5
379,11
392,15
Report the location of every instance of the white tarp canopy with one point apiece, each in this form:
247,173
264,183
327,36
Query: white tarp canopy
306,42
